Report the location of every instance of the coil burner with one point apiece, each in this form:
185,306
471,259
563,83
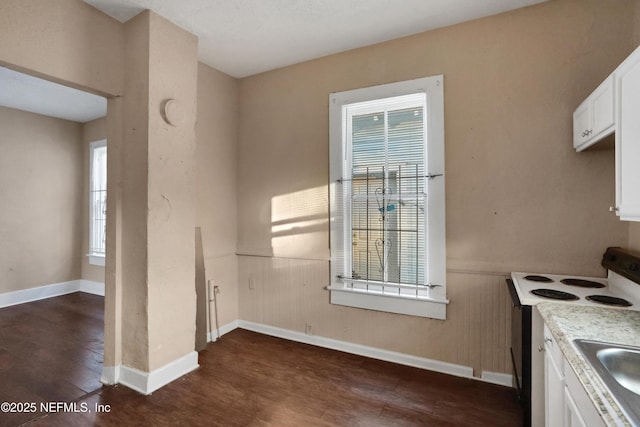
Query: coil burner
582,283
554,294
536,278
609,300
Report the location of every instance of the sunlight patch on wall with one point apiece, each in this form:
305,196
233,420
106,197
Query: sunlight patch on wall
299,224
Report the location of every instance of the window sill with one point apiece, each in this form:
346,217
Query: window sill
434,308
96,260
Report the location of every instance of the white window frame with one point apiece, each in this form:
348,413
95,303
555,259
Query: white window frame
95,258
429,300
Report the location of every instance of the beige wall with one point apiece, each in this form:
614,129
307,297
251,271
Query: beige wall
46,136
216,189
70,42
518,196
634,236
171,209
132,197
41,192
152,186
157,194
66,41
95,130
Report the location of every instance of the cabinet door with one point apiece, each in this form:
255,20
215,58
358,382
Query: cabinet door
628,139
554,381
537,369
572,417
579,408
581,125
554,392
602,104
594,119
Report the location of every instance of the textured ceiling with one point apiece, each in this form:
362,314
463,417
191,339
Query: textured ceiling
246,37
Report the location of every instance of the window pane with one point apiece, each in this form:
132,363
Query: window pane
99,221
99,168
406,148
387,207
410,242
98,200
368,145
367,241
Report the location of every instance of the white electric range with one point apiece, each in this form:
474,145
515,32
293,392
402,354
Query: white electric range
619,290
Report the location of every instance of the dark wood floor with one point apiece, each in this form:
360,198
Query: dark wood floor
51,351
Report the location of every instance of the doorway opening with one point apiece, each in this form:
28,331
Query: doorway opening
46,256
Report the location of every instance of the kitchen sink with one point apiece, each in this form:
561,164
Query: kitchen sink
619,368
624,365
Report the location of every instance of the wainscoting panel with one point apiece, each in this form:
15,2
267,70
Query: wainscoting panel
289,294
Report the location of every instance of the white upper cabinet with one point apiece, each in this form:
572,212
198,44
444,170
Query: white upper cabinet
594,119
627,128
615,106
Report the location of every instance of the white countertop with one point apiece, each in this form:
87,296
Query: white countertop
568,322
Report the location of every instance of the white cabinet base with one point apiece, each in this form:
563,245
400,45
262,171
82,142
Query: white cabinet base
566,401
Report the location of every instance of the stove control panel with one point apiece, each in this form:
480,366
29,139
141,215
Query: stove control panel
624,262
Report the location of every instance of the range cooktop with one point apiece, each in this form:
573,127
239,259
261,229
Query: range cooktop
536,288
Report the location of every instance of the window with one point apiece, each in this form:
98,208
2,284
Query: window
97,202
387,198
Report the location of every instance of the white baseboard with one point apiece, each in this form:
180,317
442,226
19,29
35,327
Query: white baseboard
225,329
148,382
110,375
92,287
497,378
50,291
375,353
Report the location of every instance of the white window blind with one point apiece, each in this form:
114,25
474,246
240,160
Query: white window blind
98,201
383,253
